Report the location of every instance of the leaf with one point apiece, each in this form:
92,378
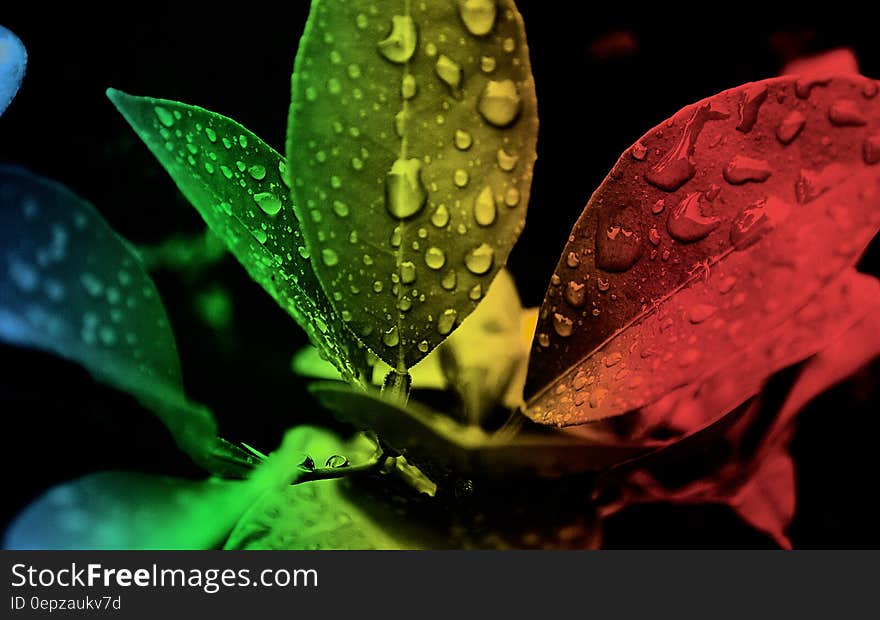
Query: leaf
13,60
711,230
71,286
483,361
427,436
411,143
812,331
127,510
235,181
758,482
323,514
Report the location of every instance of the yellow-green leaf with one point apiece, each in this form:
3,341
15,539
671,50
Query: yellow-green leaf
411,144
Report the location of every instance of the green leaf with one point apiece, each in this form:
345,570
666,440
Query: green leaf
71,286
325,514
236,182
411,143
712,230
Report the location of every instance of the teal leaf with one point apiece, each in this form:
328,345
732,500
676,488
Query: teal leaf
13,61
71,286
236,182
411,141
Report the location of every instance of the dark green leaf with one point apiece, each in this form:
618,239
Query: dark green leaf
425,435
411,143
236,182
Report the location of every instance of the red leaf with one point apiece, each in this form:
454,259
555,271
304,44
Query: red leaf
759,483
715,228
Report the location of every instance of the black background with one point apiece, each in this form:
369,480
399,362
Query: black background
57,423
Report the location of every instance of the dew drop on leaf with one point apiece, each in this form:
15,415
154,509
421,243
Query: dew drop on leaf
479,260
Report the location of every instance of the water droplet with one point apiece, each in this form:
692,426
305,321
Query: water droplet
790,127
677,168
449,71
572,260
407,272
408,87
487,64
258,172
511,197
654,236
500,103
435,258
268,202
686,222
461,178
260,235
508,45
401,43
543,340
406,194
446,321
165,117
845,113
658,206
329,257
597,396
575,293
478,16
750,103
391,338
725,284
463,140
479,260
617,248
563,325
871,149
506,161
701,312
449,280
242,141
603,284
340,208
336,461
613,359
484,207
639,151
742,169
212,135
440,217
756,220
354,71
805,85
476,292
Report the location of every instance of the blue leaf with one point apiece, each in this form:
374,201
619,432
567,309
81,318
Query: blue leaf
13,59
71,286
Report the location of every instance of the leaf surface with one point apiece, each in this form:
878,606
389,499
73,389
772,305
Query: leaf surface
425,435
411,143
13,60
711,230
323,514
129,510
71,286
236,182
